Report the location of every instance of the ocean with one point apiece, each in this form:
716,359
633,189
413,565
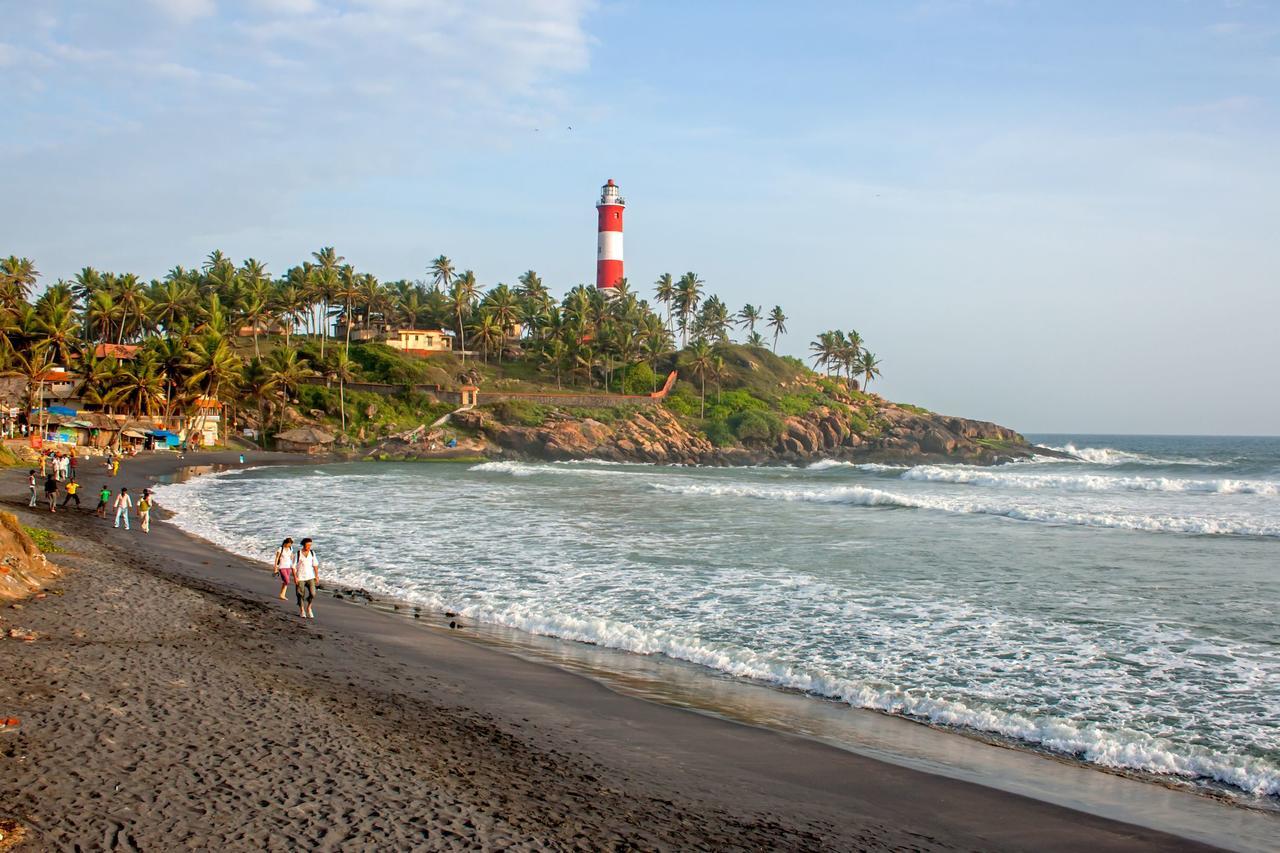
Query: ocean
1122,610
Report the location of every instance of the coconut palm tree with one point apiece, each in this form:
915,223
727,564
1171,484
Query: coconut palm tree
825,349
688,297
702,363
755,339
258,386
488,334
17,278
777,322
749,316
340,367
869,367
288,372
133,300
462,296
665,291
324,277
140,384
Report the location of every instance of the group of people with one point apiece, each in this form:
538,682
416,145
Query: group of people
122,504
301,568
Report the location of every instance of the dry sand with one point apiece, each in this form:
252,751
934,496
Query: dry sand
170,701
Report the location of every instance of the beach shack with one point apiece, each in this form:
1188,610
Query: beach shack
305,440
204,428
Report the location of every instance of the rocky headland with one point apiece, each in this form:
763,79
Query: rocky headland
655,435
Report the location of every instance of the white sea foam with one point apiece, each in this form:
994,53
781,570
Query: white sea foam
862,496
1078,676
1087,482
828,464
1111,456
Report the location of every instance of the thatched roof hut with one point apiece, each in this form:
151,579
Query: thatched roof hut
304,440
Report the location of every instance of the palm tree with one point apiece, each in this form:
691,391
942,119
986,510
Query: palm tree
288,372
258,386
325,278
657,343
214,368
824,349
869,367
688,296
665,291
132,299
777,322
169,300
140,385
102,313
755,340
506,311
488,334
702,363
348,291
749,316
340,367
461,297
555,351
851,353
17,277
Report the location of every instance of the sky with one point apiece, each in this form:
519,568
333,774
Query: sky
1061,216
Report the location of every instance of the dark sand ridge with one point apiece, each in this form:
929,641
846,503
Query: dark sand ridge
170,701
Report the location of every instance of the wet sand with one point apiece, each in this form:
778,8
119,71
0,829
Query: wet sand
171,701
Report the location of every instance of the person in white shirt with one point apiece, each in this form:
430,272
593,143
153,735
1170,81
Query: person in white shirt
306,573
123,502
284,565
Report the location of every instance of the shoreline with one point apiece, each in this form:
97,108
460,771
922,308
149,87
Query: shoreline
719,740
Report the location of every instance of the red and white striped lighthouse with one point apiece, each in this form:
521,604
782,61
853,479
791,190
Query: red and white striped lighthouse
609,238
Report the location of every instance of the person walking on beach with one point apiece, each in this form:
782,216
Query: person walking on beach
285,559
31,484
123,503
305,577
115,467
144,511
72,488
51,491
104,497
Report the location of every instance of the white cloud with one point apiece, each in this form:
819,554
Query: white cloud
186,10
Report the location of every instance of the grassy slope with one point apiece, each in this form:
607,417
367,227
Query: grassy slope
748,403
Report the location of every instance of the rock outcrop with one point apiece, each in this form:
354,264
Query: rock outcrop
651,435
23,569
881,432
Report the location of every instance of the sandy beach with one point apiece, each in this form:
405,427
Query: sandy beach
170,700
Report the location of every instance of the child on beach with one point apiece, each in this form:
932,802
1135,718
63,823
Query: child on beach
31,484
284,566
123,503
305,576
104,497
72,488
51,491
144,511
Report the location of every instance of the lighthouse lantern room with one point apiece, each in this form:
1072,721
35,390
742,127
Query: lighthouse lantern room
609,237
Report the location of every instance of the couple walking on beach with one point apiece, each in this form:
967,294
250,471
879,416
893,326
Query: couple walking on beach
302,569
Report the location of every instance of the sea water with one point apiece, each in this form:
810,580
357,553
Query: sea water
1123,609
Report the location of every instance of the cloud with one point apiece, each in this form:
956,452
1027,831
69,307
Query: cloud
186,10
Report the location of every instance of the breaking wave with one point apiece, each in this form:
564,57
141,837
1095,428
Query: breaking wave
862,496
1088,482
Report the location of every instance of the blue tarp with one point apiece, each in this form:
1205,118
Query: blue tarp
169,438
62,410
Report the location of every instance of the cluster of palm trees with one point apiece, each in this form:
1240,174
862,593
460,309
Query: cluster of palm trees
184,327
845,355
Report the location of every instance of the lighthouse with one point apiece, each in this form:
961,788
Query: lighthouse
609,238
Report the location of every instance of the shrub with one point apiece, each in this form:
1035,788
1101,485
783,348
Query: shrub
519,412
46,540
753,425
640,380
682,400
719,432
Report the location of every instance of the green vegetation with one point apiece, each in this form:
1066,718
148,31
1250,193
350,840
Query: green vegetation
274,345
46,540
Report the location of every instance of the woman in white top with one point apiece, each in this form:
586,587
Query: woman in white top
283,568
306,573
